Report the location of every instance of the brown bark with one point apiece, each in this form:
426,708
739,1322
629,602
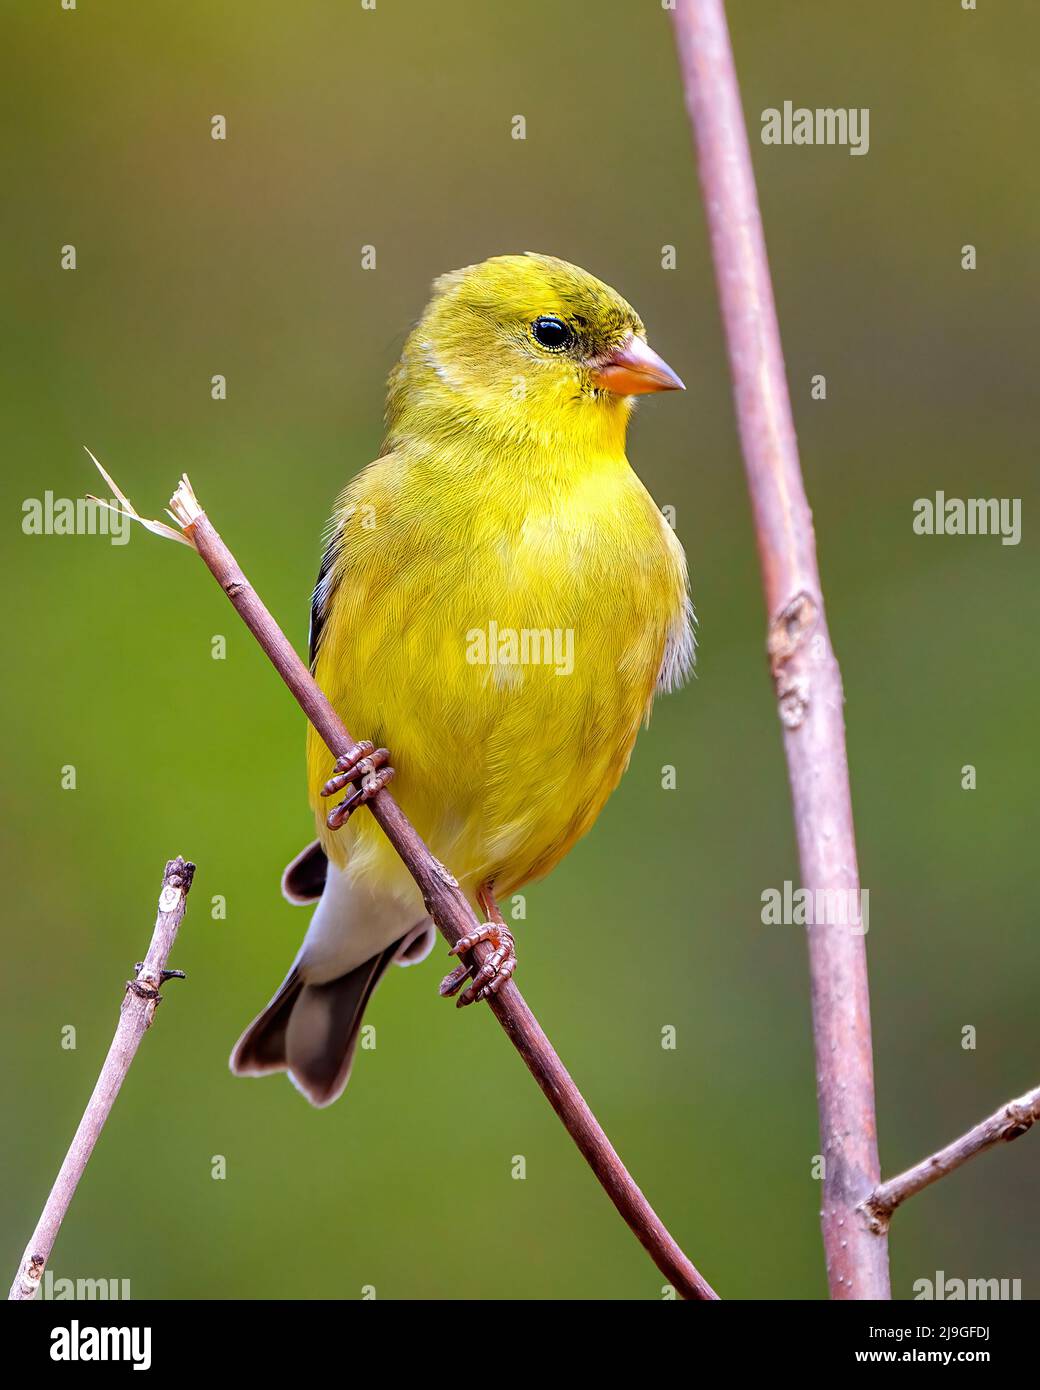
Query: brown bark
140,1001
804,669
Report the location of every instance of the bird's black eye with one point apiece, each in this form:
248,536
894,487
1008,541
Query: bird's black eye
552,333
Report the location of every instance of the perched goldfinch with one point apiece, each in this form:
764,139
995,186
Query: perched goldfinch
498,603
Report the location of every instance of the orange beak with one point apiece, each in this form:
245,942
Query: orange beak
632,369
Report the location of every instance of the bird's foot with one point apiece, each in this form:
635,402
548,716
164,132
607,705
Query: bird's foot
364,765
488,978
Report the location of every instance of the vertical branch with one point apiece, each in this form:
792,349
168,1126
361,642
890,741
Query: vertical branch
804,669
135,1016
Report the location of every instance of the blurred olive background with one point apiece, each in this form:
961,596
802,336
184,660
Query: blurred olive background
391,128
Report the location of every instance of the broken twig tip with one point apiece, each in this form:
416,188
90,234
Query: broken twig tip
127,508
184,505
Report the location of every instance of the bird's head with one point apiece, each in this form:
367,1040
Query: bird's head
530,345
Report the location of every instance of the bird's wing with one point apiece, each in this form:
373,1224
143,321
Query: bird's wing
358,504
324,586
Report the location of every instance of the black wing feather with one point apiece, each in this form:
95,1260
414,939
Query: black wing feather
323,590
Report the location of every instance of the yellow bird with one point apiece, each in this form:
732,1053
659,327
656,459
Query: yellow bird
498,602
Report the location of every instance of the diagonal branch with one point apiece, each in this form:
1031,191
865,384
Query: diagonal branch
1010,1122
805,672
446,904
140,1001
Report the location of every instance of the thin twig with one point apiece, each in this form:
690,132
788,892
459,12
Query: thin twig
804,669
135,1017
1010,1122
447,905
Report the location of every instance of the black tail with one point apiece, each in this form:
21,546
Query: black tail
311,1031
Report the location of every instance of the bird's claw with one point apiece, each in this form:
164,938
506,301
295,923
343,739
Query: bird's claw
489,977
364,765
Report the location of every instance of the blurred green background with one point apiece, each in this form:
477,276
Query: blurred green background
391,127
